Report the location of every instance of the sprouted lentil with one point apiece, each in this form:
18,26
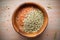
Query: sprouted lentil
33,21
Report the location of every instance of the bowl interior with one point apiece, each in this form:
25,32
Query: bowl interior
28,5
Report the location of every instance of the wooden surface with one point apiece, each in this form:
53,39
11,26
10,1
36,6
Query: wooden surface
7,32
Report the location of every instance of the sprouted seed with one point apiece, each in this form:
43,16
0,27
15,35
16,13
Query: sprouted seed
55,35
33,21
49,7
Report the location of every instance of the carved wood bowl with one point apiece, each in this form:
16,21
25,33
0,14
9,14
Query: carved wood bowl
15,24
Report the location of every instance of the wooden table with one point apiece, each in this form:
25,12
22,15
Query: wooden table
7,8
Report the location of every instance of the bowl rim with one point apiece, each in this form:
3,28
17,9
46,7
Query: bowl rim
43,27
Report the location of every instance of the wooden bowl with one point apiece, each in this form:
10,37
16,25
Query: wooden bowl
30,34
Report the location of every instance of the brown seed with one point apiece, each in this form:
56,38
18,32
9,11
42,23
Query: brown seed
8,8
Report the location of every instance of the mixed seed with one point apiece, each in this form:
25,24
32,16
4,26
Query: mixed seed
33,21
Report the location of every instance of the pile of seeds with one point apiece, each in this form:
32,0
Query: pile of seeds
33,21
